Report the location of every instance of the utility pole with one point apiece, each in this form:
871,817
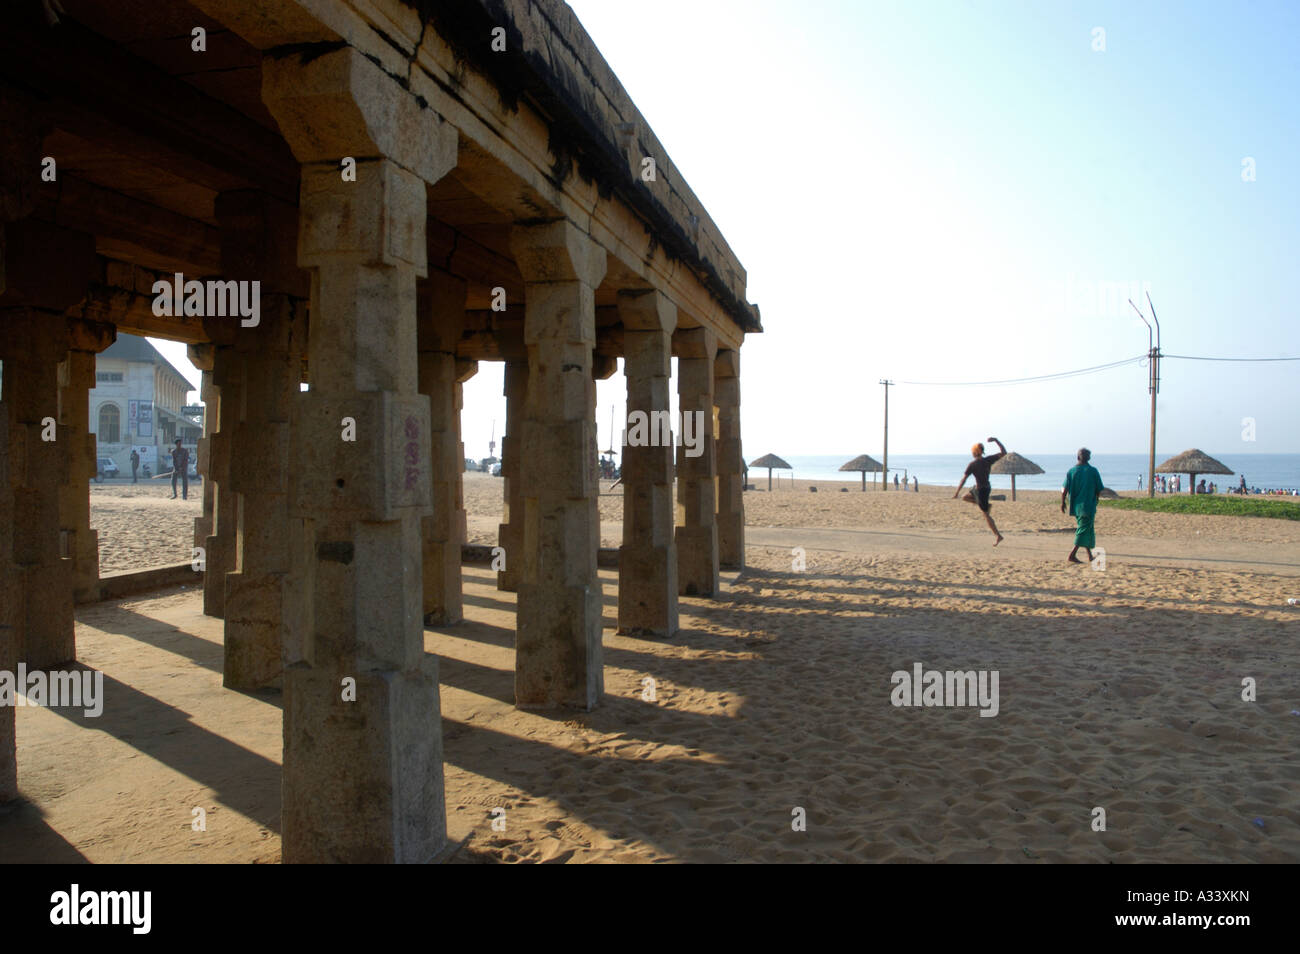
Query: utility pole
1153,385
884,472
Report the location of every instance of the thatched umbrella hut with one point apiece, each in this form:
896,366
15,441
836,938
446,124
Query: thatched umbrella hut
1014,464
1193,462
866,465
772,462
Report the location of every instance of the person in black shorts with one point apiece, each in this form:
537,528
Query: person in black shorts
979,469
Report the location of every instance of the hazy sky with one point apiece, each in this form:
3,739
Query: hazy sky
937,191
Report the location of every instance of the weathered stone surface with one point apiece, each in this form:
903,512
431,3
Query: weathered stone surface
558,659
510,534
647,571
221,547
11,614
731,462
697,525
441,300
32,344
362,779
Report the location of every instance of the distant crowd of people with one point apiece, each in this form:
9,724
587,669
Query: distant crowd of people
916,484
1174,484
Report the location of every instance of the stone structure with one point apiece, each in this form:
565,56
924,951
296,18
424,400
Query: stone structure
416,188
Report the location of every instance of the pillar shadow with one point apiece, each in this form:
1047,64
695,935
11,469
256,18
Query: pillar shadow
119,621
29,839
249,783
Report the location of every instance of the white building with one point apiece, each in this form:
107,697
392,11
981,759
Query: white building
138,402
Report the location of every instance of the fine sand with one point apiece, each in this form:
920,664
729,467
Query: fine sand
1119,688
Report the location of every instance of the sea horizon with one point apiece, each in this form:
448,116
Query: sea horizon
1119,471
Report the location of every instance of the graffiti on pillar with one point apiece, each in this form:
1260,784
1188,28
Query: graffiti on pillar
411,453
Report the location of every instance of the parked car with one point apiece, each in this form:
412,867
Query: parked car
107,468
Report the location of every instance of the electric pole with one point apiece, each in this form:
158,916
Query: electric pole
1153,385
884,473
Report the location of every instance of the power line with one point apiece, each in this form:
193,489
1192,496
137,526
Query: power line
1042,377
1193,357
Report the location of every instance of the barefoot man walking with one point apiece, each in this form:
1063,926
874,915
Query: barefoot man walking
1083,487
979,469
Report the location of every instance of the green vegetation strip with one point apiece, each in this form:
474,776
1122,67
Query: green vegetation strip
1280,508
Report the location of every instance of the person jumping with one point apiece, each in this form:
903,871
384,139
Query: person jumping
979,469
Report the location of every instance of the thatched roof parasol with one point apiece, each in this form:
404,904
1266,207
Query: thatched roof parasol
864,463
771,462
1193,462
1014,464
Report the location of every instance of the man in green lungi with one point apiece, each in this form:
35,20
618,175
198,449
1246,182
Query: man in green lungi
1083,487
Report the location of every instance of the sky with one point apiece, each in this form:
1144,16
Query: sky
969,191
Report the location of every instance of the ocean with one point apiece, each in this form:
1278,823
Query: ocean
1119,471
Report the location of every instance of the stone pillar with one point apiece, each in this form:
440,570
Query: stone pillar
10,606
256,233
201,357
80,543
731,462
647,562
32,343
510,534
697,525
465,369
558,659
362,778
227,379
441,319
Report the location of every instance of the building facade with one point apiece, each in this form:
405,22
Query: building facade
139,403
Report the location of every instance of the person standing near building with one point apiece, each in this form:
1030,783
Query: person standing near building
181,468
1083,488
135,464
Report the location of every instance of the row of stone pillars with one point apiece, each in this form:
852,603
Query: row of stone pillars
333,518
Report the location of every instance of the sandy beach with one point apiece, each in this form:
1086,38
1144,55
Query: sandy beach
1120,689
